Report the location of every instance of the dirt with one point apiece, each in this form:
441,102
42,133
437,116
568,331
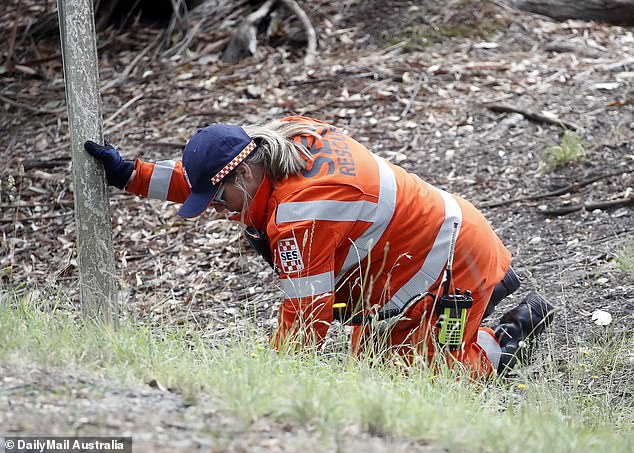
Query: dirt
416,89
57,402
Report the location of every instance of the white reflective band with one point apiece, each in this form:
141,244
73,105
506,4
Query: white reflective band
490,346
160,180
234,163
434,261
384,212
342,211
312,285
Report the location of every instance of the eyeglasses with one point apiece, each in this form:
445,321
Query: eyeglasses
217,199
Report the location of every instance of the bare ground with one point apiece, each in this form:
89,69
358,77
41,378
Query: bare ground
423,103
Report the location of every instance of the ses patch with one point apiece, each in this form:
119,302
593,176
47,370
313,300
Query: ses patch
290,256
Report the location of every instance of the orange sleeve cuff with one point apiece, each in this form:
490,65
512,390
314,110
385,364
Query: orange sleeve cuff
142,175
179,187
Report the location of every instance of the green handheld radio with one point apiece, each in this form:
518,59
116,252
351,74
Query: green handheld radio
452,307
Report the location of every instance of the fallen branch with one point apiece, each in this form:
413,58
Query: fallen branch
36,217
543,117
30,108
244,42
311,36
554,193
30,164
589,206
36,205
620,12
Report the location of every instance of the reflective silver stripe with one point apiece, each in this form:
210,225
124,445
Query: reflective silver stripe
436,259
490,346
386,205
160,180
312,285
342,211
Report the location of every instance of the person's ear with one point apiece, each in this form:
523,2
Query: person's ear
245,171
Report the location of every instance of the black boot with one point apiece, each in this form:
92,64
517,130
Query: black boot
518,326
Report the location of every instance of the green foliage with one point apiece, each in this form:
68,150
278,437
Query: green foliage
245,379
572,148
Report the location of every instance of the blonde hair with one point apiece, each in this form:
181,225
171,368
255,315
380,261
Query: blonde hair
278,153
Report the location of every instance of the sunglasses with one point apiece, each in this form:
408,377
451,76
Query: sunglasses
217,199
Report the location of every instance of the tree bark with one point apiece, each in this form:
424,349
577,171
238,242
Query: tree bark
97,286
619,12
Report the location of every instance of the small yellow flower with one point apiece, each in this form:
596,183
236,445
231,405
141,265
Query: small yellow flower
521,386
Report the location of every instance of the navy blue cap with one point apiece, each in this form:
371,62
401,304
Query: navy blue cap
209,156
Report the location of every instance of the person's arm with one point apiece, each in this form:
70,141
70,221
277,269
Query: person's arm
164,180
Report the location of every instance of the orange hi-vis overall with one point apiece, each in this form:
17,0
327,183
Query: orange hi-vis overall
354,229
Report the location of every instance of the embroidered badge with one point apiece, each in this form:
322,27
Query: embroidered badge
290,257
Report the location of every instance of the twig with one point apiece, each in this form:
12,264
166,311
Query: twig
412,99
128,69
49,163
373,75
560,191
178,20
131,10
184,44
38,217
36,205
58,56
116,127
12,37
28,107
123,107
589,206
531,115
311,50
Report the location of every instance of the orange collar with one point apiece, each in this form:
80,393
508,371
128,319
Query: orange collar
256,215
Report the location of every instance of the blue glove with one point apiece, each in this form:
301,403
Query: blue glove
118,171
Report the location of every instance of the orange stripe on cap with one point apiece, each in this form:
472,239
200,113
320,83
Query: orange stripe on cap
234,163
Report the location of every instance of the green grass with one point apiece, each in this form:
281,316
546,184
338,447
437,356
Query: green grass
571,149
247,380
625,258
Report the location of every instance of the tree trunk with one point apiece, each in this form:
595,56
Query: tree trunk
613,11
97,286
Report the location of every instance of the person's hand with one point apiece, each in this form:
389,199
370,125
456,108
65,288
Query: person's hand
118,171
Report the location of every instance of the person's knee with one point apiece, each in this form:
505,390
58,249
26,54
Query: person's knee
508,285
